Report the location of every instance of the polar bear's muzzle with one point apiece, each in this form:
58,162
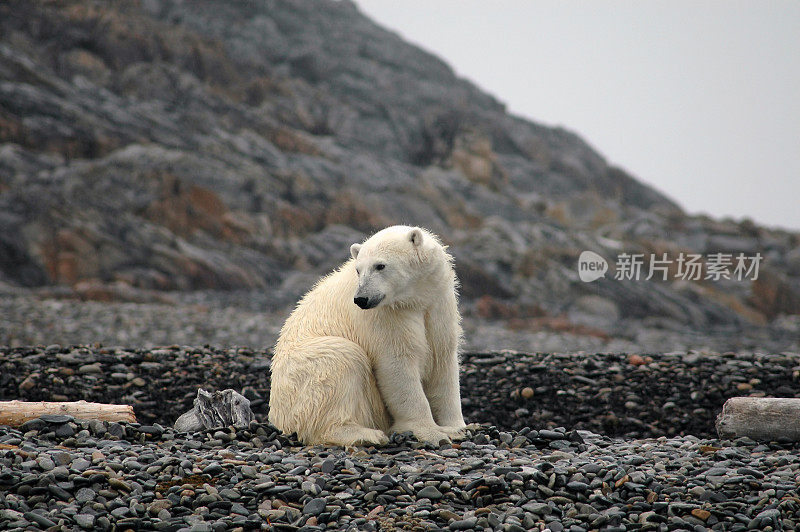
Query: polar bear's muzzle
367,302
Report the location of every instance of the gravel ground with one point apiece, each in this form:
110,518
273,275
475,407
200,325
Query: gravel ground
613,394
537,461
59,473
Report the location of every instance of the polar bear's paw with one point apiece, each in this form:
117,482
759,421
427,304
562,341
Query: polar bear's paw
455,432
433,434
356,436
372,437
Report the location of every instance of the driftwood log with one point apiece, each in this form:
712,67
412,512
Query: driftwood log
15,413
214,410
760,418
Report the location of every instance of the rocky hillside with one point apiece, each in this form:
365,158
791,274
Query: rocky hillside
180,146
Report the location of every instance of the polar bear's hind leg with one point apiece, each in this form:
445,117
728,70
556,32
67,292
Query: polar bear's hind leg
326,392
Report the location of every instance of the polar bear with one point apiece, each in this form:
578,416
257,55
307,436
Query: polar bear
373,347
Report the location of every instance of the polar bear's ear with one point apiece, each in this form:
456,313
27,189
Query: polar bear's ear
415,236
354,249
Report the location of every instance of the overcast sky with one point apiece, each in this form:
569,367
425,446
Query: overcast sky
699,99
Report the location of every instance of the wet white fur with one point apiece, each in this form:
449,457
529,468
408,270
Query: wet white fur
346,376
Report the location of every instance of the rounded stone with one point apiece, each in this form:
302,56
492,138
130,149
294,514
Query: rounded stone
429,492
85,495
526,392
84,520
314,506
45,463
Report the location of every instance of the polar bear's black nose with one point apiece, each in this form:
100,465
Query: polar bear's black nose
362,302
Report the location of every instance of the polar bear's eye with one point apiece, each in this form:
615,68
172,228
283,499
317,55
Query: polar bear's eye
379,267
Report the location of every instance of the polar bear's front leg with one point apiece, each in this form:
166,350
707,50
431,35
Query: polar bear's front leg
443,392
445,397
400,385
441,384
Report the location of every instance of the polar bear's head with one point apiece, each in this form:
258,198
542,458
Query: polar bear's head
394,264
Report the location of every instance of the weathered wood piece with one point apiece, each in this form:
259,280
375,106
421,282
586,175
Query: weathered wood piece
216,410
760,418
15,413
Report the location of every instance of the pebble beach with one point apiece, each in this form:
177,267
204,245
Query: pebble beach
561,442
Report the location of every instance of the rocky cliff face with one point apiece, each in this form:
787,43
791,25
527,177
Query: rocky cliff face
167,145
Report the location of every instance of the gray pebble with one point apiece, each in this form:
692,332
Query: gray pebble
537,508
84,520
45,462
212,469
80,464
39,519
314,507
429,492
464,524
328,466
85,495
